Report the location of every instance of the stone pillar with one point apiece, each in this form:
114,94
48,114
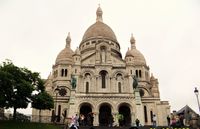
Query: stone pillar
96,119
132,118
139,107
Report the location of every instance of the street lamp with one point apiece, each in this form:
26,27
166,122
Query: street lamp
197,95
56,91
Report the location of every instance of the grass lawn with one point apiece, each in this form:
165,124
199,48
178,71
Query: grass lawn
25,125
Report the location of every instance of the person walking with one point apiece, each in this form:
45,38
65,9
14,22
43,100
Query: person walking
168,120
154,120
137,121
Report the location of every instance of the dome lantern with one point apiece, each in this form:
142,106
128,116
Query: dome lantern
99,14
132,41
68,40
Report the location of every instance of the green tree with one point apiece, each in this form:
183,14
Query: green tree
17,85
42,101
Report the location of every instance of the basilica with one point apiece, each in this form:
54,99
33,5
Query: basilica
96,79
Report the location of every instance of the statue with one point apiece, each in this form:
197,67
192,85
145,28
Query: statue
73,82
135,82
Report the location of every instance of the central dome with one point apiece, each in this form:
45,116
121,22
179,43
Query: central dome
99,30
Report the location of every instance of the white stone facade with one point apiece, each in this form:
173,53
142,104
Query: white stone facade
104,80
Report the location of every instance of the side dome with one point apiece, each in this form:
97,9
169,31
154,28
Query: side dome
65,56
138,57
99,30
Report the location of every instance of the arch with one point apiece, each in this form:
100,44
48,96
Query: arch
88,71
85,110
116,73
104,102
128,104
125,110
103,48
87,74
102,44
105,114
146,92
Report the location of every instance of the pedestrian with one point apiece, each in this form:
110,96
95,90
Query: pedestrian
154,120
82,119
76,121
137,121
168,120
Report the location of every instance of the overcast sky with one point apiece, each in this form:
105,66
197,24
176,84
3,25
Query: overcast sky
167,32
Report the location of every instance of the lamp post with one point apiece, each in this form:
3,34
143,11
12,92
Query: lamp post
56,91
197,95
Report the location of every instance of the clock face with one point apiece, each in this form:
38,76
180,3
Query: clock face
62,92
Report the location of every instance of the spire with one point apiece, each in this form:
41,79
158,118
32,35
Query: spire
68,40
99,14
132,41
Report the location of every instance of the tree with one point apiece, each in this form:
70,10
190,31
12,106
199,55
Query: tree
17,85
42,101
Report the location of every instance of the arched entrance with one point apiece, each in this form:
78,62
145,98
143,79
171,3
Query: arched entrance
105,115
86,111
125,111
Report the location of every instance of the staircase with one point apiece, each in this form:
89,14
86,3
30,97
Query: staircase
124,127
127,127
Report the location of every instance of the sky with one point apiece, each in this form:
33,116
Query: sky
167,33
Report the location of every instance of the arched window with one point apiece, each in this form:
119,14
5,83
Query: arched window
136,72
131,72
62,72
59,112
103,78
52,115
151,116
140,73
119,87
65,113
65,72
87,87
145,114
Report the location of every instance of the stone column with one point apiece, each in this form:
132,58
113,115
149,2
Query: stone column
133,118
96,119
